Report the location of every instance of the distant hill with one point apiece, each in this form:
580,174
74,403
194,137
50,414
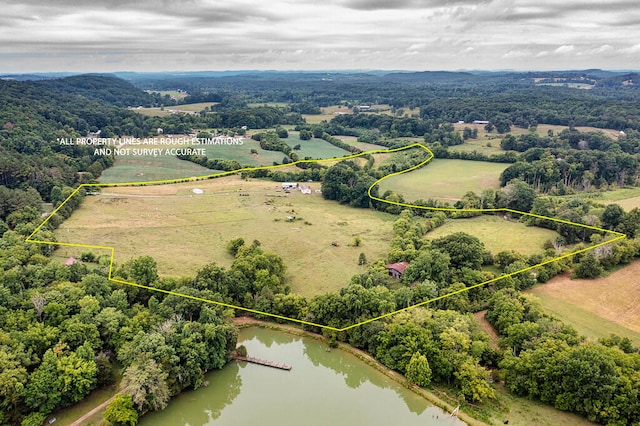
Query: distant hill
107,88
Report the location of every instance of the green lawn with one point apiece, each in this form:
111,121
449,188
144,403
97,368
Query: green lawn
498,234
445,179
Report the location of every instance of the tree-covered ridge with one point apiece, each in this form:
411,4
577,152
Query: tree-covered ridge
105,88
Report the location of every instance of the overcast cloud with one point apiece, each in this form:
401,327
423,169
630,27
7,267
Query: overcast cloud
158,35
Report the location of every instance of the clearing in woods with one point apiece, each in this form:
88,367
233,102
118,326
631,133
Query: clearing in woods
491,230
597,307
445,179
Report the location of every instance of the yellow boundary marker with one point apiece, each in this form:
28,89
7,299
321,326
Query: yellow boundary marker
618,235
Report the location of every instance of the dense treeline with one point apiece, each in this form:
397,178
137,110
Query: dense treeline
574,161
63,327
547,361
105,88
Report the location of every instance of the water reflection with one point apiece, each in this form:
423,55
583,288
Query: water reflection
204,405
312,393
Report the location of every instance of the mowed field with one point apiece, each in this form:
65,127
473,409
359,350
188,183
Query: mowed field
445,179
314,148
184,231
498,234
597,307
130,168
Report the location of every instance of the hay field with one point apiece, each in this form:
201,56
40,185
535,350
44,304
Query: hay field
183,231
498,234
614,298
445,179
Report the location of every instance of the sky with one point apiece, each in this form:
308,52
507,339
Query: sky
192,35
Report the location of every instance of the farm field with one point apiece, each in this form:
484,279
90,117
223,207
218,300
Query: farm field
583,321
184,231
314,148
615,298
486,146
498,234
176,94
129,168
541,129
187,108
445,179
242,153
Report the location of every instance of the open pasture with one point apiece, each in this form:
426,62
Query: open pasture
184,231
498,234
314,148
131,168
445,179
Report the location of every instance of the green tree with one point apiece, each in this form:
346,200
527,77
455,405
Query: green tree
146,384
120,411
77,377
144,270
462,248
589,267
418,370
473,382
42,392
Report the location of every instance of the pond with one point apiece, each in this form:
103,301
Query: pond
323,388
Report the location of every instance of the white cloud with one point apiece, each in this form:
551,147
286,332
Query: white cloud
456,34
564,49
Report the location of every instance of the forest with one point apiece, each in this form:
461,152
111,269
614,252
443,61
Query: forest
67,329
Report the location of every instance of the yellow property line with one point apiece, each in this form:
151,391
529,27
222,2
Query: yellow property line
618,235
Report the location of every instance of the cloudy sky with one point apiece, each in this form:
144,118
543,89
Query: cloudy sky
159,35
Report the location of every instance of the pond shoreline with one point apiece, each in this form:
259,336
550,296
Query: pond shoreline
247,322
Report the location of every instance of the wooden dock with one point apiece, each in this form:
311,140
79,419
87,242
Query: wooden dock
263,362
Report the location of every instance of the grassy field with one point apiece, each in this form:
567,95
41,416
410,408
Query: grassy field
445,179
487,146
314,148
627,198
130,168
582,320
597,307
164,111
175,94
541,129
498,234
184,231
242,153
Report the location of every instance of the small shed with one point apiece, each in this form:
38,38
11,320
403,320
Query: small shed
288,185
397,269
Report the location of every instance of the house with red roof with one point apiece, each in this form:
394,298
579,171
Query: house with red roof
397,269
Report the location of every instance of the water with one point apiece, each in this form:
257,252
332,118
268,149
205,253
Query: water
323,388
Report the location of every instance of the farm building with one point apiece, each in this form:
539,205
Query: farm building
397,269
288,185
480,122
305,189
